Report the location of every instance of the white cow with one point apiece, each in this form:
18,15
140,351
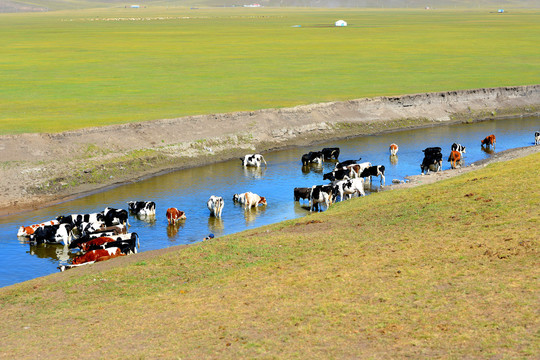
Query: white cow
215,205
249,199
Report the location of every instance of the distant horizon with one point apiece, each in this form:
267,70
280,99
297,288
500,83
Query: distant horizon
8,6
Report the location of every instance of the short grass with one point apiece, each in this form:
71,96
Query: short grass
447,270
73,69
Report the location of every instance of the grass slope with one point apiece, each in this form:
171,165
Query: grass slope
74,69
447,270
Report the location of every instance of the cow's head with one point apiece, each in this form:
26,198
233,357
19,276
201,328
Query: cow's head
262,201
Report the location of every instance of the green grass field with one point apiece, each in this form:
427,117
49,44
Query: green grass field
447,271
73,69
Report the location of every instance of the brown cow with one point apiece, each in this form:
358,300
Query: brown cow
174,215
97,255
454,159
393,149
489,141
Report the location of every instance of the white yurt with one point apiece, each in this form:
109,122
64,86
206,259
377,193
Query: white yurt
341,23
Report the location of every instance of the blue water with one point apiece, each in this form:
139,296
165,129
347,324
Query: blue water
189,190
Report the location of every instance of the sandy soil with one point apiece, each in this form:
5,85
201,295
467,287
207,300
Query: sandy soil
41,169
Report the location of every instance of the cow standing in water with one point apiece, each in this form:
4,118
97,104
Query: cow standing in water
489,141
454,159
215,205
253,160
393,149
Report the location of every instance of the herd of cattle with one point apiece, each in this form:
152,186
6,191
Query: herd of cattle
101,236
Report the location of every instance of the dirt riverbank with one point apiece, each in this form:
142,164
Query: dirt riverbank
41,169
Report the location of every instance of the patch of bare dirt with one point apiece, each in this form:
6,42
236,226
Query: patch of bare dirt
40,169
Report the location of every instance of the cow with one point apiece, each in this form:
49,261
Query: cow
26,231
358,168
142,208
349,188
97,255
301,193
249,199
330,153
253,160
393,149
127,243
78,219
60,234
115,217
454,159
376,170
432,160
341,165
341,174
215,205
320,194
458,147
537,138
174,215
312,157
489,141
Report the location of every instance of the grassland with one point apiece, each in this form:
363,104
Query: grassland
446,270
73,69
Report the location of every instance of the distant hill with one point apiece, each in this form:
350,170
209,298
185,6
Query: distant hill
53,5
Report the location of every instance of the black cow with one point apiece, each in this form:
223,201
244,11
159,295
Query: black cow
536,137
142,207
432,159
60,233
301,193
376,170
330,153
312,157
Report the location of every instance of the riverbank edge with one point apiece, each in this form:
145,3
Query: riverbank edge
40,170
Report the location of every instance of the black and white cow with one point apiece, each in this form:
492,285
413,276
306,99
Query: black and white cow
301,193
58,234
330,153
78,219
376,170
142,208
253,160
343,164
458,147
537,138
341,174
113,216
432,160
348,188
312,157
320,194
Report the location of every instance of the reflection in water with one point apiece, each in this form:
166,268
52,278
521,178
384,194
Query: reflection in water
254,172
313,167
215,225
251,214
393,160
51,251
151,219
488,150
172,230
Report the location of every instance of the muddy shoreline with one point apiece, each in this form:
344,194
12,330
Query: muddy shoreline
38,170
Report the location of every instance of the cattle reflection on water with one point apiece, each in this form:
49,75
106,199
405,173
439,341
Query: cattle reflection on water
51,251
172,230
254,172
216,225
252,213
393,160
